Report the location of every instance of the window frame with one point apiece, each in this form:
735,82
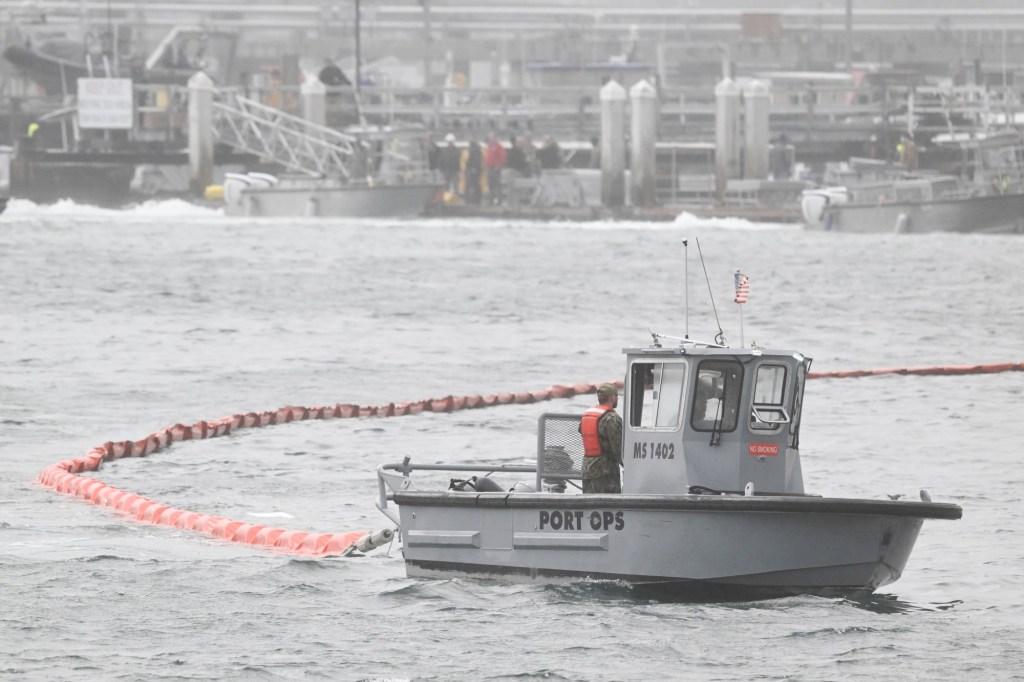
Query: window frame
769,429
739,394
797,404
680,419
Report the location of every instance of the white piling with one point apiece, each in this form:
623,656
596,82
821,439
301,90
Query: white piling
314,100
643,136
756,142
613,144
727,133
200,131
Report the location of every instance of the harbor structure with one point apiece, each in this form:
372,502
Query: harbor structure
836,83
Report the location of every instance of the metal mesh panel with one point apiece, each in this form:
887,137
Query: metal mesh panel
559,449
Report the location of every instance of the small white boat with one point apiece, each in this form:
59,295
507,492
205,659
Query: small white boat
713,502
387,178
267,196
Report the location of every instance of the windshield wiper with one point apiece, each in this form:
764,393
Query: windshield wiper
716,429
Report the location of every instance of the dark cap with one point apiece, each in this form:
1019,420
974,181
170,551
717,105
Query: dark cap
607,391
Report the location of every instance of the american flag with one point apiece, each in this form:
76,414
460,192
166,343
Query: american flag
742,283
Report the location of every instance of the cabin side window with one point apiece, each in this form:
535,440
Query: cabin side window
767,412
656,395
716,396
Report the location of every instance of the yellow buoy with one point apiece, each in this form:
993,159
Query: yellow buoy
214,193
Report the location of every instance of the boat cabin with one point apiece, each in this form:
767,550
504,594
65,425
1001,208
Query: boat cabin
702,419
712,418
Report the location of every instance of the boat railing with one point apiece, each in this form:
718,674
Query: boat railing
395,477
559,460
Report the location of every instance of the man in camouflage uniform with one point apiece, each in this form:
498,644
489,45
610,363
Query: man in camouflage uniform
601,472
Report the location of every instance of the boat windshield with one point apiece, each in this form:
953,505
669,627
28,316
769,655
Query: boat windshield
716,398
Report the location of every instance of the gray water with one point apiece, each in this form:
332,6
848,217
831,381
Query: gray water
115,324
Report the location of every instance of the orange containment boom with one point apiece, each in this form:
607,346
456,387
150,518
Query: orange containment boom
922,371
65,476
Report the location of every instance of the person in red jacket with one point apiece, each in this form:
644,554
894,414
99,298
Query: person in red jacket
495,157
601,428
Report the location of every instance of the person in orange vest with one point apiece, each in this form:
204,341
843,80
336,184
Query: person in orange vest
601,428
495,157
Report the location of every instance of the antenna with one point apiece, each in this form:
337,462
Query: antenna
686,283
720,336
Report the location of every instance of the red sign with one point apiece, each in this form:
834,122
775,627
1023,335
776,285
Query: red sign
763,449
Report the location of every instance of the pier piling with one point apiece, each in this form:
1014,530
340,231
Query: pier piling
727,133
613,144
200,131
643,136
756,134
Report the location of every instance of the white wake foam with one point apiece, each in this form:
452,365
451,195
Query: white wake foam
68,208
689,220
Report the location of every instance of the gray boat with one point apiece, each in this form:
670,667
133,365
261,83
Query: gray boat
986,195
366,173
713,502
926,204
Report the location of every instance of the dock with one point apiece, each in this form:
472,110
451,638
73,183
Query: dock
707,108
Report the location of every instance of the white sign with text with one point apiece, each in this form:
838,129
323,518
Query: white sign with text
105,103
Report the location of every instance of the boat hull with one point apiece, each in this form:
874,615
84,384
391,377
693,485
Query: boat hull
1002,213
695,544
382,201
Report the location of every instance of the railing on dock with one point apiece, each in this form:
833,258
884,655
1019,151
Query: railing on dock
289,140
571,112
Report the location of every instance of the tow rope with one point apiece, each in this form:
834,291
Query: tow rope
65,478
